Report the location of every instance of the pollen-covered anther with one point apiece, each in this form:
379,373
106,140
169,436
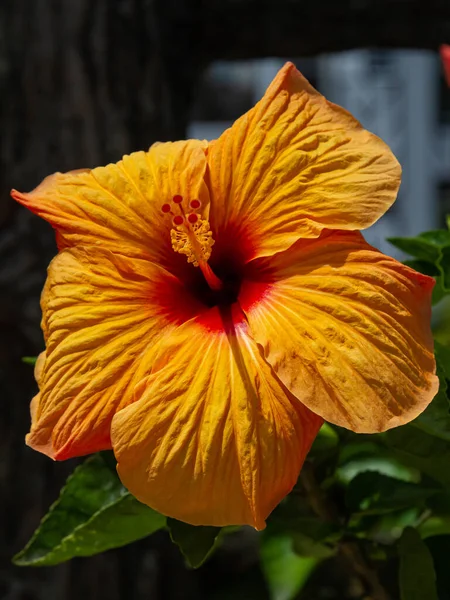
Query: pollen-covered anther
194,240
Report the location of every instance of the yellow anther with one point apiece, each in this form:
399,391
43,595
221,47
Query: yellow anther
194,240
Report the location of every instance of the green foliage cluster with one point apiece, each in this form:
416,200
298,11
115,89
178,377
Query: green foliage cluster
378,502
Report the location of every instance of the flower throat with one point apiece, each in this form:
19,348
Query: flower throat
191,235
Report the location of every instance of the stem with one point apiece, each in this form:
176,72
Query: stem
349,550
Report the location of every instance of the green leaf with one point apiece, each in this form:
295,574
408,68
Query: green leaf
435,525
29,360
374,493
326,441
422,451
385,528
311,536
93,513
444,265
431,270
361,457
436,417
438,291
431,248
418,247
308,547
423,266
417,577
440,238
443,356
285,572
195,542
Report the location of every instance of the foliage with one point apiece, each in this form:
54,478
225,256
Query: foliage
375,504
417,575
93,513
195,543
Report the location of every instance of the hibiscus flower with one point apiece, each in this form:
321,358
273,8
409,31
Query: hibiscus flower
212,303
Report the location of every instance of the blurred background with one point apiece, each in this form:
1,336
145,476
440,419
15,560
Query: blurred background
81,84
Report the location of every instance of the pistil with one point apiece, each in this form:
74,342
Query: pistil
191,235
212,280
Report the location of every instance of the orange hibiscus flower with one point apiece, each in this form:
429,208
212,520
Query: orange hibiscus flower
212,303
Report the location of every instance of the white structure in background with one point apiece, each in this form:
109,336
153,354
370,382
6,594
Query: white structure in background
395,95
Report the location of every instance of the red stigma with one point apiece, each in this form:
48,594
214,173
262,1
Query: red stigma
193,218
178,220
195,204
178,199
165,208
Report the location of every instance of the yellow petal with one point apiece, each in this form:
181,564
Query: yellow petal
214,438
346,329
119,206
296,164
38,368
103,314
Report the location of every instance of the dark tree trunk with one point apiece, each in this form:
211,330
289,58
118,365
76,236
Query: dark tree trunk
234,29
243,29
81,83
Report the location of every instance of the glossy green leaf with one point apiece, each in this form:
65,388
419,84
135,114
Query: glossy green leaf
417,577
436,417
418,247
308,547
195,542
422,451
285,572
374,493
433,270
435,525
384,528
423,266
93,513
327,440
443,356
432,249
438,292
310,535
440,238
361,457
444,265
293,515
29,360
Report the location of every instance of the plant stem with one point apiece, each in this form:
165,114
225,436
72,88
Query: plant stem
349,550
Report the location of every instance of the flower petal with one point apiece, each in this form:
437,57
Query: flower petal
346,329
214,438
38,368
294,165
103,315
119,206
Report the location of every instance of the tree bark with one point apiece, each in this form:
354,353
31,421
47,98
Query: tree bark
245,29
81,84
